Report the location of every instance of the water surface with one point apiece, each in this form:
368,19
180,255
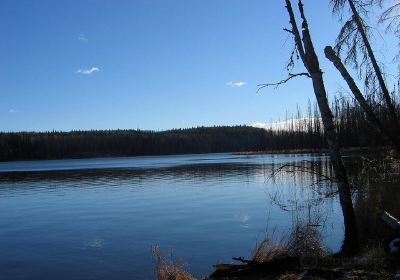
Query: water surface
97,218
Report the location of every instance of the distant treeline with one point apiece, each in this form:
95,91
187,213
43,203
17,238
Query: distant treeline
300,131
78,144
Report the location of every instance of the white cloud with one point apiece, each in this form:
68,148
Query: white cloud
260,125
12,111
297,124
236,84
87,71
83,38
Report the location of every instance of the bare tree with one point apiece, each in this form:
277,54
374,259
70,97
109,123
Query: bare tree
391,18
354,35
372,119
305,49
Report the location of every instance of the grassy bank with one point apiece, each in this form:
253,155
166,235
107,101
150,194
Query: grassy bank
301,255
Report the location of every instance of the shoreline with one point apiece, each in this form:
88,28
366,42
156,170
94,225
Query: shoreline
308,151
266,152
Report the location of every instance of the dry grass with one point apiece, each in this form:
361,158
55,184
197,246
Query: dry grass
169,270
302,240
267,251
305,240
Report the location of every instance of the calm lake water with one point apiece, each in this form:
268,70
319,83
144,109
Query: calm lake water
98,218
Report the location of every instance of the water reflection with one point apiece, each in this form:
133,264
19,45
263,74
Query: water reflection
100,223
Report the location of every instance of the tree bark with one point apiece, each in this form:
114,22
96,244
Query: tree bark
378,72
372,119
311,63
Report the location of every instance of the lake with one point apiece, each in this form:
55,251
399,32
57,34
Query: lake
98,218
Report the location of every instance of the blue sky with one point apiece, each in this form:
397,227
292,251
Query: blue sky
150,64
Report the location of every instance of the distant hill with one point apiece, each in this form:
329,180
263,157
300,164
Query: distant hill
105,143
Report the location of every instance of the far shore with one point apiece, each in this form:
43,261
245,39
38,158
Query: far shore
264,152
304,151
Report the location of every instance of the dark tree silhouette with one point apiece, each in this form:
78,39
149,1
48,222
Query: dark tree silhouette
354,35
372,119
305,48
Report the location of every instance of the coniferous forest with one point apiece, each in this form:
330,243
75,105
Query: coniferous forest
302,130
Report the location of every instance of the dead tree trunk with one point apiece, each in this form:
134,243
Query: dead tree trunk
378,72
372,119
310,60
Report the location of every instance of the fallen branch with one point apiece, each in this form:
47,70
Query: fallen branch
243,260
391,221
274,266
271,268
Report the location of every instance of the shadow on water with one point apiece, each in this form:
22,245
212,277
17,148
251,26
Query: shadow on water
101,223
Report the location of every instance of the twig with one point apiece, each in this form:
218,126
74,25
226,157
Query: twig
242,260
276,85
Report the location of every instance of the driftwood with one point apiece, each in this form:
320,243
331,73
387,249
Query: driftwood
243,260
252,269
391,221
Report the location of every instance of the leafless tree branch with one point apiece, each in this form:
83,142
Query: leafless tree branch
284,81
